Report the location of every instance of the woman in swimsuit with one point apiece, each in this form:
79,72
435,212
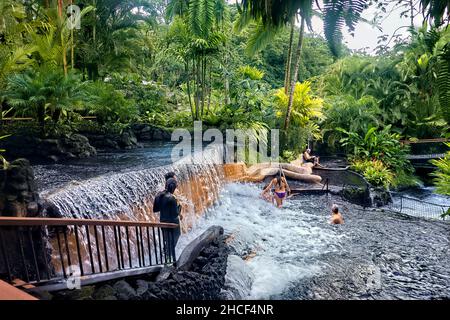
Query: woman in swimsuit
280,186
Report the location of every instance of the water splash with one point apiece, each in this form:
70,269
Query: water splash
276,246
129,195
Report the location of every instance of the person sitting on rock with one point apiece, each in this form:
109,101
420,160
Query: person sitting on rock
336,217
307,157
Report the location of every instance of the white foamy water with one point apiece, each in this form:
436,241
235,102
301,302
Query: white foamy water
286,243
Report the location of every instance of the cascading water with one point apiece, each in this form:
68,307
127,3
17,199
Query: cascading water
294,253
129,195
288,253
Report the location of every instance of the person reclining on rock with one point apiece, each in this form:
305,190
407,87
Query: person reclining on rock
336,217
307,157
280,188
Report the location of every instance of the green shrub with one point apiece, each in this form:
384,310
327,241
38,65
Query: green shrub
109,104
442,175
375,172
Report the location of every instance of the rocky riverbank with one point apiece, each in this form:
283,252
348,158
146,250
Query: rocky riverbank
204,280
82,144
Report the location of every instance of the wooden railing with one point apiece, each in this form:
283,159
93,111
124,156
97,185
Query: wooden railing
49,253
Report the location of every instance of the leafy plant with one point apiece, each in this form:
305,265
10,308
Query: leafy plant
109,104
442,175
3,161
379,145
375,172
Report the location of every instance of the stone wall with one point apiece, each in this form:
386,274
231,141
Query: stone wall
18,190
203,281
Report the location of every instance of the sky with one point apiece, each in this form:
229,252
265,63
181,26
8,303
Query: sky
366,36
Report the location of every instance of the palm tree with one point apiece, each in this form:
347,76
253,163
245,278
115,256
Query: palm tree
44,91
198,29
14,54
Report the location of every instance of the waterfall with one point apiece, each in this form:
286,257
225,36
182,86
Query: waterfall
129,195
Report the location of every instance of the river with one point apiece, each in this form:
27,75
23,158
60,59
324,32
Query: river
288,253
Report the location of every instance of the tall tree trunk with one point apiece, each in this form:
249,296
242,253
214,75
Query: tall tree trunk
411,3
287,73
295,75
189,89
60,7
203,86
41,117
63,44
72,45
209,90
1,113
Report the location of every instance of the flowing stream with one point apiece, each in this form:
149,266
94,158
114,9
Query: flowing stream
287,253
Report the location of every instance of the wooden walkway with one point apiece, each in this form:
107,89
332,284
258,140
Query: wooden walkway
425,156
8,292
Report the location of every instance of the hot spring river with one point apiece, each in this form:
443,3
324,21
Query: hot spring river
293,252
374,255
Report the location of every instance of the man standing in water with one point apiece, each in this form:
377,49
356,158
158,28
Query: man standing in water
336,217
169,213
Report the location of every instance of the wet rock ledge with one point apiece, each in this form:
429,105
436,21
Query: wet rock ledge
203,280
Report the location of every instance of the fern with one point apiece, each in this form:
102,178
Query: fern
443,82
435,10
338,13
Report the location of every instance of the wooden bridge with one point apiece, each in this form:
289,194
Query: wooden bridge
53,254
433,149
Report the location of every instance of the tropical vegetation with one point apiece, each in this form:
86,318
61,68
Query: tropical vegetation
251,64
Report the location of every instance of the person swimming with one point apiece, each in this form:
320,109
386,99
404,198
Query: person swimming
280,189
336,217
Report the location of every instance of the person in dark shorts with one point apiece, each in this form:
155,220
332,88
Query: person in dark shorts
169,209
167,176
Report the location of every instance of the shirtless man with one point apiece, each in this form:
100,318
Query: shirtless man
307,157
336,217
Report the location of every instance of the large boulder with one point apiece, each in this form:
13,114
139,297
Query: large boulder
18,194
78,146
128,140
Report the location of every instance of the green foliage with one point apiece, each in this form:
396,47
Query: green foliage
375,172
305,115
109,104
3,161
442,175
364,113
289,156
379,145
44,93
251,73
180,119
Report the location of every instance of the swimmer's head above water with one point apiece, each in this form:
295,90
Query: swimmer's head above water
334,209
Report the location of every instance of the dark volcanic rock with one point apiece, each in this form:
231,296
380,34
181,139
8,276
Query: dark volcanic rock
204,280
49,149
18,193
